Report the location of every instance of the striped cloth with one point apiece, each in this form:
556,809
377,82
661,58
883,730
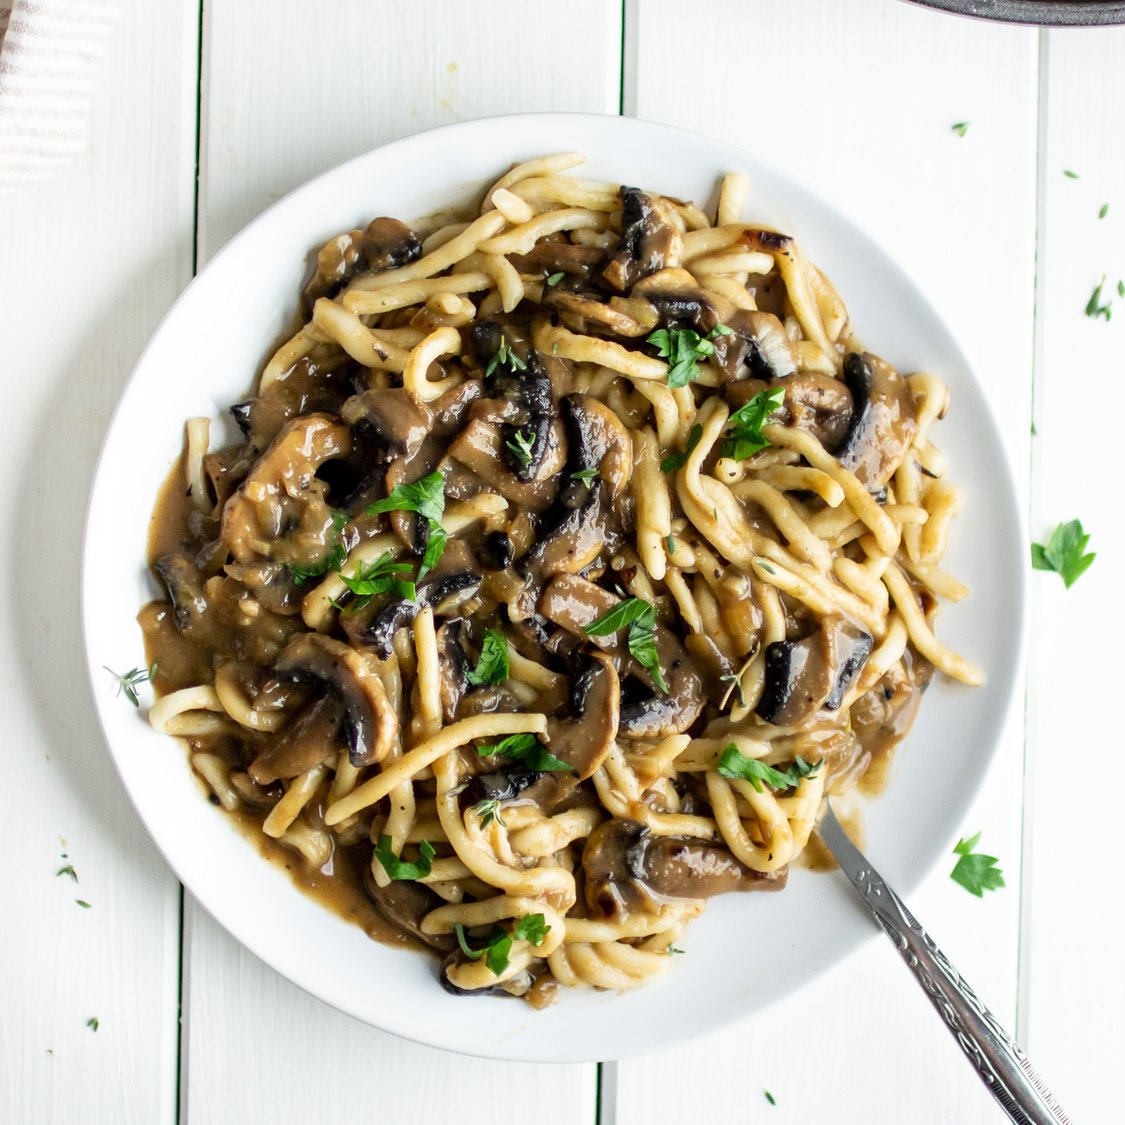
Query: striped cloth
48,51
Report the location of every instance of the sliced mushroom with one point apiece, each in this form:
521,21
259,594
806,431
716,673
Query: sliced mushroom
819,404
308,739
629,871
803,676
651,713
758,340
884,421
185,590
676,296
446,592
649,242
577,538
370,724
548,258
280,510
384,244
396,418
596,440
588,312
452,677
584,740
404,903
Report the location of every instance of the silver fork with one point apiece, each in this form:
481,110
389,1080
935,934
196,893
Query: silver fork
1001,1064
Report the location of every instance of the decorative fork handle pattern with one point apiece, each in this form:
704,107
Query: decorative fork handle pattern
1001,1064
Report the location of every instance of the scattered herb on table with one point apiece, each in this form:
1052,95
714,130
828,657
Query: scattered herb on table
1064,552
1070,175
401,869
1094,306
640,617
769,1097
1104,211
493,666
735,765
93,1023
67,870
683,348
81,902
960,127
673,950
975,872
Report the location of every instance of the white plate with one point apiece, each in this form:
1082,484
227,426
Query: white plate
204,357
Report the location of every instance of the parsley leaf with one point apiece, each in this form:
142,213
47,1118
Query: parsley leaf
527,749
398,868
504,357
1104,211
521,446
640,617
976,873
961,127
67,870
555,278
1064,552
426,497
128,683
735,765
769,1096
672,950
676,461
333,560
683,348
373,579
1094,306
93,1023
498,946
586,476
744,429
1069,174
82,902
493,666
489,810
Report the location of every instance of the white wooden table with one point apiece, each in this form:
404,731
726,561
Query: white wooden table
205,113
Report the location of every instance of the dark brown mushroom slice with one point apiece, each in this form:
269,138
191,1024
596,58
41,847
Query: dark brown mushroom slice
272,585
573,603
492,699
505,784
597,441
404,903
496,550
585,738
379,631
587,311
309,738
884,421
651,713
370,723
803,676
758,340
575,539
627,870
819,404
548,257
384,244
647,241
452,676
443,591
395,417
677,297
184,584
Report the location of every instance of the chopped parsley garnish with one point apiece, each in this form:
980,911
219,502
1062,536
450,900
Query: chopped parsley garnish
738,767
521,446
555,278
504,357
683,348
1064,552
976,873
532,928
83,903
1104,211
427,498
397,868
961,127
527,749
93,1023
489,811
743,436
1094,306
1069,174
676,461
1120,288
67,870
379,577
640,617
672,950
493,666
128,683
670,542
586,476
769,1097
335,558
735,681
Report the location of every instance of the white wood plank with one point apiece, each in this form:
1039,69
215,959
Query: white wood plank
291,89
859,105
92,259
1074,979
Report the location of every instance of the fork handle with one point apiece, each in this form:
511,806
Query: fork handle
1001,1064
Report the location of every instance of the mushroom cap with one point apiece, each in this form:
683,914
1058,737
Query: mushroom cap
370,723
584,740
884,422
